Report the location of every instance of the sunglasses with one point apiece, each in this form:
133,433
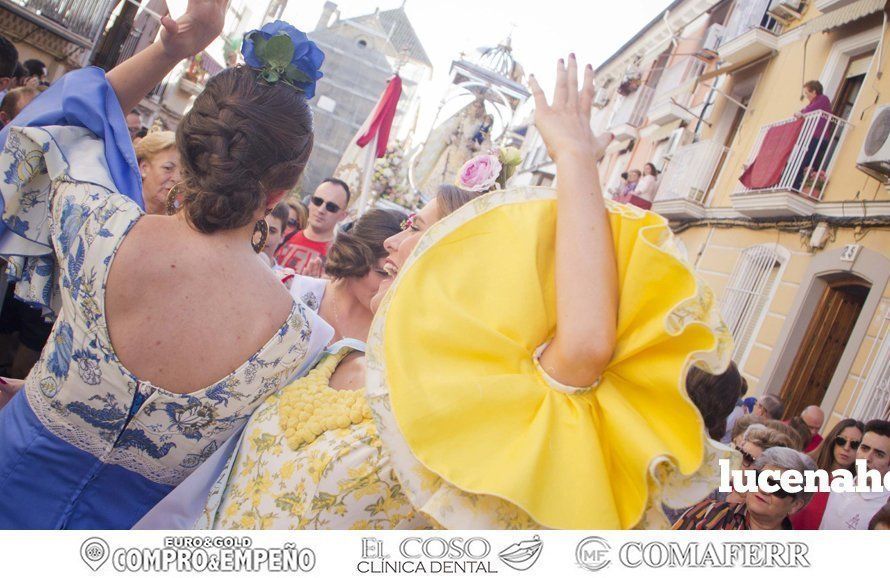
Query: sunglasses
842,442
331,207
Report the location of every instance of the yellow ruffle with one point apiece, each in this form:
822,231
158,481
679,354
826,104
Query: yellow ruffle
478,436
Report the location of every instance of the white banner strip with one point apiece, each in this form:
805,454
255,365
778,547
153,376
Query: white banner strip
341,554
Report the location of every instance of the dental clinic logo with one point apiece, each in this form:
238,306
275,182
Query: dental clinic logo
94,552
522,555
430,555
593,553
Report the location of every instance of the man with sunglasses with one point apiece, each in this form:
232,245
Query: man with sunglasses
853,510
304,252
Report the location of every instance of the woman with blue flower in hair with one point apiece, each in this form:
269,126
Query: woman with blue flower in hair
169,331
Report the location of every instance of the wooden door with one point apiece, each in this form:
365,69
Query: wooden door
823,344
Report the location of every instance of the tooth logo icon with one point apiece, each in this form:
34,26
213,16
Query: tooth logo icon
522,555
94,552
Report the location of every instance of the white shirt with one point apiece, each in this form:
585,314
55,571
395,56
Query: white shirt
852,510
646,187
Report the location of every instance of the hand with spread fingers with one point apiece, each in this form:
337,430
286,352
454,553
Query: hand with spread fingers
564,123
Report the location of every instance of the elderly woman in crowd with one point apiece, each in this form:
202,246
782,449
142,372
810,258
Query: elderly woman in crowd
755,441
737,435
159,165
759,510
836,452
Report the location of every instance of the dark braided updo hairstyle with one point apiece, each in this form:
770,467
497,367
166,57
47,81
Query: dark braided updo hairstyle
242,139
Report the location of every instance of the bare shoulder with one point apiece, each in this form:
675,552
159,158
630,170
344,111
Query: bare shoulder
350,373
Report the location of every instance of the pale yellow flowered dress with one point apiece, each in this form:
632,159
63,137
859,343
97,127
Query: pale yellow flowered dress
310,458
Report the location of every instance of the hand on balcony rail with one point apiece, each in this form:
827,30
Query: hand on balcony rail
180,39
586,273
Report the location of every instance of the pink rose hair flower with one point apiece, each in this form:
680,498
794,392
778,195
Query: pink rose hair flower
479,174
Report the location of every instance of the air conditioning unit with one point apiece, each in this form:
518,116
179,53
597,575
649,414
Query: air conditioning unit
874,158
786,10
601,98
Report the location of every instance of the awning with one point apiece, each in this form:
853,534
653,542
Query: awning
734,67
665,131
836,18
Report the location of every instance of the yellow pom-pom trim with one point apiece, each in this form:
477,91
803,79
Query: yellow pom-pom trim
309,406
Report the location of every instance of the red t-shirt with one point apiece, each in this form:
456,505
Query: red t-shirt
810,516
297,251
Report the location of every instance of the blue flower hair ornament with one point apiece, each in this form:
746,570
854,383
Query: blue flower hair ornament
282,53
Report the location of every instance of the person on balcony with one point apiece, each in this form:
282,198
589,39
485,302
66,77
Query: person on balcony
648,184
640,188
818,145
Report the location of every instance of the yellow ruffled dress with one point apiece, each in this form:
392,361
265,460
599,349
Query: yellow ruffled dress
480,437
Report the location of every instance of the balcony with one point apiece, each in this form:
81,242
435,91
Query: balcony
77,21
750,33
672,95
687,180
805,174
199,69
631,114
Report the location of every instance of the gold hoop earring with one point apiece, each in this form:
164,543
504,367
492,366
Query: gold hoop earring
170,206
262,228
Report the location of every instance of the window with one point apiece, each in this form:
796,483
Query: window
874,400
747,296
854,78
326,103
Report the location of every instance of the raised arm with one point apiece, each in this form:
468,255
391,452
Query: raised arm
135,77
586,273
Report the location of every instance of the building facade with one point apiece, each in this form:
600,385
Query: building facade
361,55
799,255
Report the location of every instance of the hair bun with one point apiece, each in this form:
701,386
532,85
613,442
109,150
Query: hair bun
241,140
348,257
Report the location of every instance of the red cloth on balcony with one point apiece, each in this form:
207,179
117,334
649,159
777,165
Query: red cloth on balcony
767,168
632,199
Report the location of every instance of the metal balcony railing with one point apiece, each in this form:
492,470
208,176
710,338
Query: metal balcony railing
748,15
85,18
632,109
810,163
691,171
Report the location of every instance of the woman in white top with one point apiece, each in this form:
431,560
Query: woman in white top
648,184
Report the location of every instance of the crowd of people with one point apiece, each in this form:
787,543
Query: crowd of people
280,364
754,427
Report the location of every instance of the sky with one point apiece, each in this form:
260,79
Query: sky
542,31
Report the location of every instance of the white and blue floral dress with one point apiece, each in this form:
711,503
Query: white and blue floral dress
87,444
